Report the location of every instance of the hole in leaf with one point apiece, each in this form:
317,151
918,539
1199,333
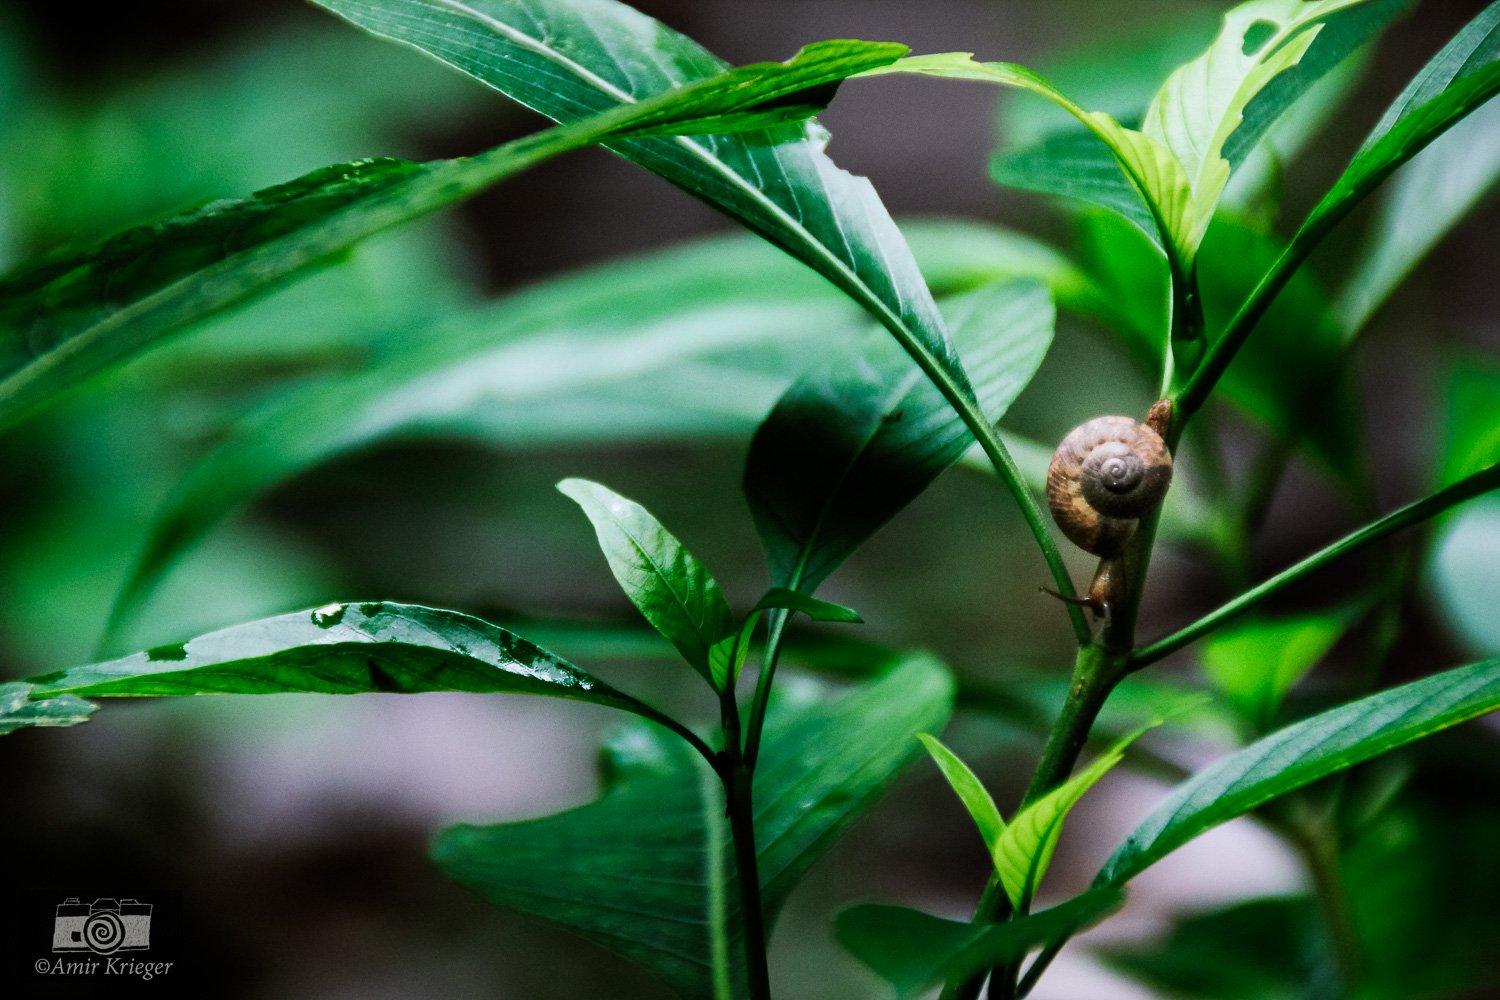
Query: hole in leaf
1256,36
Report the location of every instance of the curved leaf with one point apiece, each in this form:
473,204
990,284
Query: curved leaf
68,318
853,443
1149,165
1201,104
672,589
570,58
1302,753
914,951
969,789
818,611
656,848
343,649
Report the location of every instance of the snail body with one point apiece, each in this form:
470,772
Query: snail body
1106,475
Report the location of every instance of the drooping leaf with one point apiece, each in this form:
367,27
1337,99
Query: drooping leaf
343,649
967,786
1302,753
672,589
852,443
65,319
657,843
913,951
1201,105
18,710
1148,164
568,59
818,611
1255,662
1076,165
1426,200
1024,850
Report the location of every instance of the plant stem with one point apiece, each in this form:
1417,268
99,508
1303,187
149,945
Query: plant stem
1095,674
1316,840
738,777
1413,513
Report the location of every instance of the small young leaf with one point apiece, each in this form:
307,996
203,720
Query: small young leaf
971,792
656,844
818,611
18,710
913,951
1025,848
1301,754
1257,661
662,578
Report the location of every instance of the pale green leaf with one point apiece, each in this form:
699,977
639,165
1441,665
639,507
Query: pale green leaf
1301,754
1201,104
1025,848
672,590
18,710
967,786
1256,661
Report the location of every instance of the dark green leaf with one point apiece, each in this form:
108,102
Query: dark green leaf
1302,753
18,710
1076,165
673,591
853,443
656,844
343,649
818,611
1457,81
913,951
66,319
568,60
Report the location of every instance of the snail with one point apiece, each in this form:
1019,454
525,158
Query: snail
1106,475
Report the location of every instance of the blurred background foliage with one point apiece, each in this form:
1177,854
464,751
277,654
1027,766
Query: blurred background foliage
296,828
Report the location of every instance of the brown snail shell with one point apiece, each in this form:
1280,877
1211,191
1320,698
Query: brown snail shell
1105,476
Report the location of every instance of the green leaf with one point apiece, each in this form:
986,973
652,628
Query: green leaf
1255,662
567,59
966,784
1149,165
1302,753
818,611
1076,165
18,710
855,441
656,843
68,318
914,951
343,649
1025,848
1201,104
1427,198
1455,82
673,591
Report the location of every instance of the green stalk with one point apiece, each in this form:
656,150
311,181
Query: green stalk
1414,513
738,778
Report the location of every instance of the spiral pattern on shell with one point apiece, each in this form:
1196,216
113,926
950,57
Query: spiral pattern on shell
1104,477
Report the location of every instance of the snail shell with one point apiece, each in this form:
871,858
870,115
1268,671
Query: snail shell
1104,477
